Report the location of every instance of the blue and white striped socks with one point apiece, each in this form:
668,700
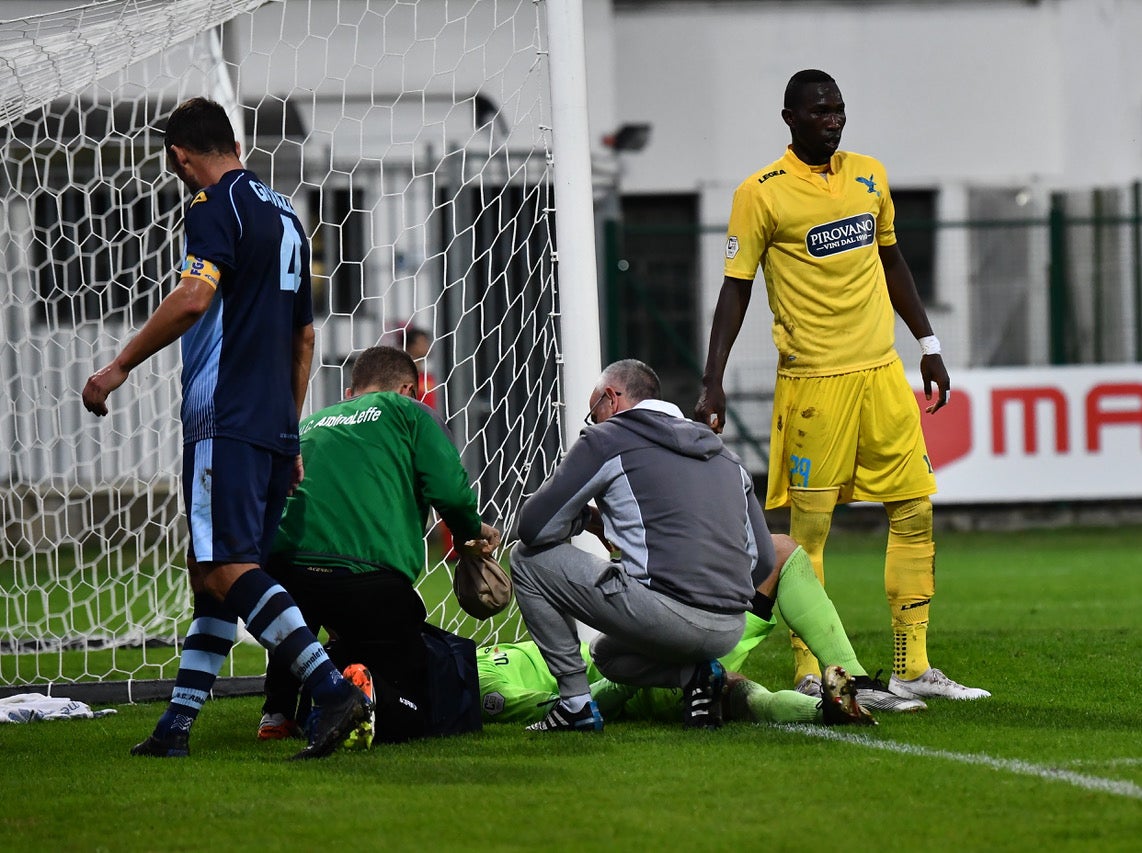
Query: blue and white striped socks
208,641
274,619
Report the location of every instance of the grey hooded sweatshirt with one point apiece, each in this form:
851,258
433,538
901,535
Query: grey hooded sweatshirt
677,504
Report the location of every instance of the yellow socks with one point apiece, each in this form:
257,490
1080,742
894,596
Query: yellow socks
910,583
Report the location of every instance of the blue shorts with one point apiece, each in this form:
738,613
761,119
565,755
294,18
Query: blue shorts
234,495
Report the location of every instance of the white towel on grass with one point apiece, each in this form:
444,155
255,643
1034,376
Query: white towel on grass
31,707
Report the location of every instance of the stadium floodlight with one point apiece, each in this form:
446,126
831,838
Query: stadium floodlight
629,137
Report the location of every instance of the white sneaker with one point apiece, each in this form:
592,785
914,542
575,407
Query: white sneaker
872,693
810,685
934,683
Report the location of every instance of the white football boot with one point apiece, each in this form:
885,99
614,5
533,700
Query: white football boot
934,683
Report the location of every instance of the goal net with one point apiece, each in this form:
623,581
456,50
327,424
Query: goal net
413,137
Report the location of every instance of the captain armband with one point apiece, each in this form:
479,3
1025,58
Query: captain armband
201,269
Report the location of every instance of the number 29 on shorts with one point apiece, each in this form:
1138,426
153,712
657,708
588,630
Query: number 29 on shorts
799,470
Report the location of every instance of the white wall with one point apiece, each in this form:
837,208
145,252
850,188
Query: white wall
950,96
960,91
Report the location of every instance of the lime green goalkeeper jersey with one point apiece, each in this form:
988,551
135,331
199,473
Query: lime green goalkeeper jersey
517,687
515,684
374,465
816,233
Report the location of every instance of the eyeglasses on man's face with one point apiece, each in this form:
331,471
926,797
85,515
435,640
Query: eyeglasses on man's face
590,419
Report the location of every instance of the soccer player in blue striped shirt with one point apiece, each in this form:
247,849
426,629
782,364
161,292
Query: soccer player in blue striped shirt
242,309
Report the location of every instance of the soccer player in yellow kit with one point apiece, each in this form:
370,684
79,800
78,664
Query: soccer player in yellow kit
819,223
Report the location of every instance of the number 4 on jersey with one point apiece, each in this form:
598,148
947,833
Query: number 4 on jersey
290,263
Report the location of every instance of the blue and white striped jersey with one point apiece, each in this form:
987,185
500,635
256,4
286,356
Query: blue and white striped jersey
247,241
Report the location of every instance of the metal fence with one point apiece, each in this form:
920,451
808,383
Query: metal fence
1016,281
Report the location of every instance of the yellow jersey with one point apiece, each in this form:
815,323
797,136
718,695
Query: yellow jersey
815,231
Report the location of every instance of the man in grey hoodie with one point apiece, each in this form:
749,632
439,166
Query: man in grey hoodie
691,542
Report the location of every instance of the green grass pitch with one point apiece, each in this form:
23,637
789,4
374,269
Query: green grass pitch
1047,620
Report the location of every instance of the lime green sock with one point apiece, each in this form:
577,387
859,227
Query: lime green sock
808,610
609,696
751,702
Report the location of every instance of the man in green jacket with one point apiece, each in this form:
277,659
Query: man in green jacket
351,542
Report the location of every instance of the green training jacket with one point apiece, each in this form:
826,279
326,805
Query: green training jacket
374,465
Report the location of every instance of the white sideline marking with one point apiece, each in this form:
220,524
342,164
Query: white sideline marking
1105,762
1119,787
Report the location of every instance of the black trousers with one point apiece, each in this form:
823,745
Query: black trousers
374,618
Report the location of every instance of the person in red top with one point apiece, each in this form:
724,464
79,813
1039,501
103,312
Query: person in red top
416,344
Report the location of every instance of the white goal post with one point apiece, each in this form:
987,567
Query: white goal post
423,142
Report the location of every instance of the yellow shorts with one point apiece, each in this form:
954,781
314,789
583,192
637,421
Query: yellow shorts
857,431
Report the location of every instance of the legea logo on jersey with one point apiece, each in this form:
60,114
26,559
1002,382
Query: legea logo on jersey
843,235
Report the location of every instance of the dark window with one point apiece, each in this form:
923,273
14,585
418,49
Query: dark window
339,247
916,234
655,281
101,251
495,328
